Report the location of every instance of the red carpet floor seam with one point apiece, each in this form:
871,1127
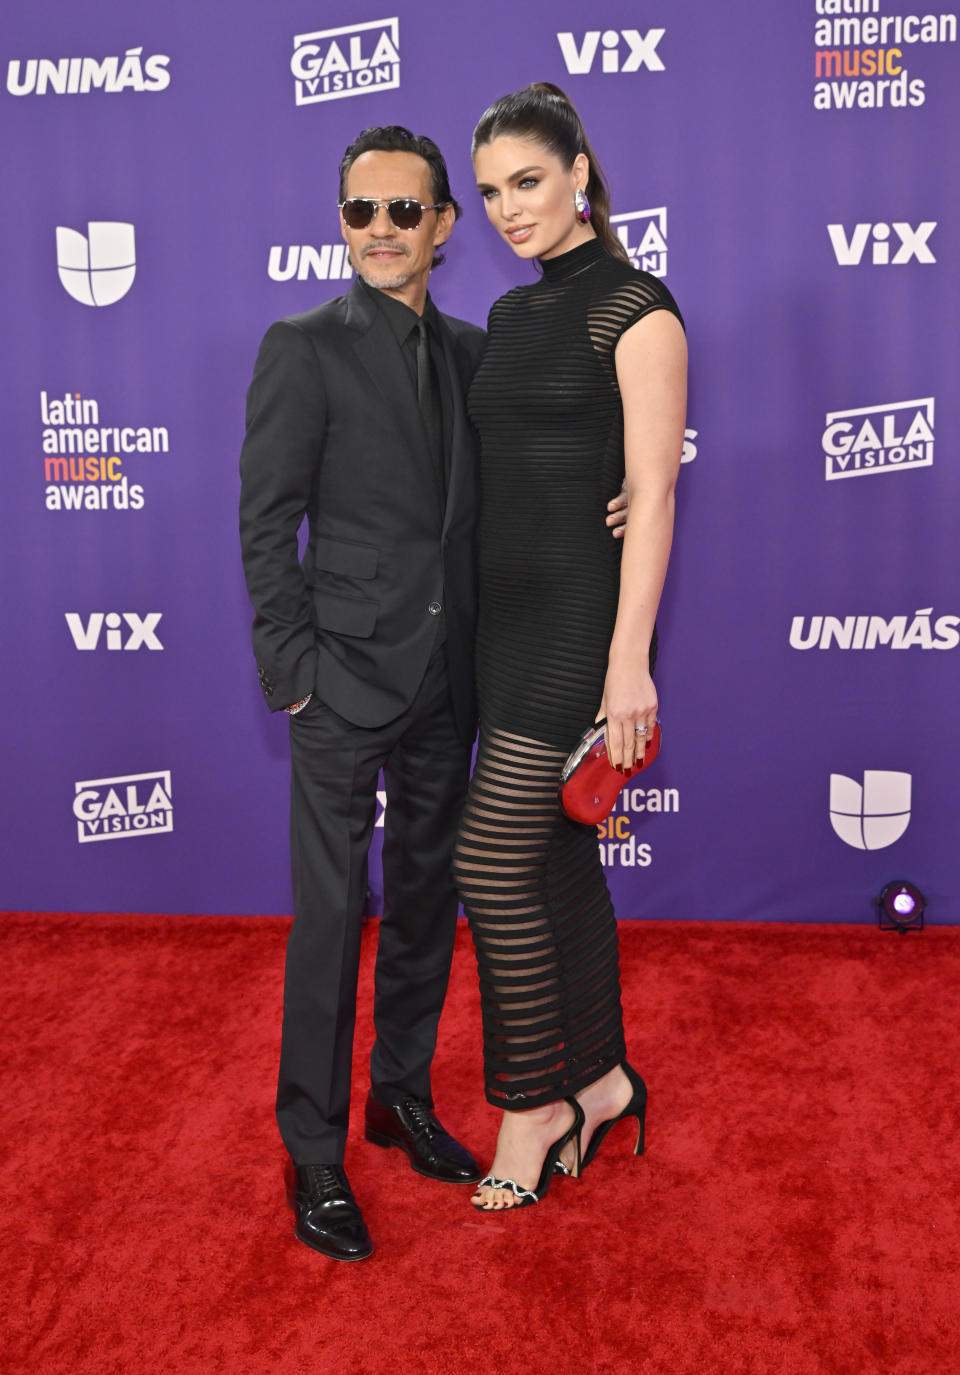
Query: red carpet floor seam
795,1212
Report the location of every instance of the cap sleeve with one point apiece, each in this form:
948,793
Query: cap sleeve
624,304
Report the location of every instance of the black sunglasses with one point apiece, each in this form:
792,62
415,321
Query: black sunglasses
405,213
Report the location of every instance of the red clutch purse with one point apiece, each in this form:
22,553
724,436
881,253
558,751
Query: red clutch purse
589,784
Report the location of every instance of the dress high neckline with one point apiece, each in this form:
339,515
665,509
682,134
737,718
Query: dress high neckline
573,261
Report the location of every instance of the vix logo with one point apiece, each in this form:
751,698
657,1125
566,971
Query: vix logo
913,243
648,228
626,50
142,630
328,263
331,63
99,268
873,816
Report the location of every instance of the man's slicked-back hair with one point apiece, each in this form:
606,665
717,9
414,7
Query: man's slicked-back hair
394,138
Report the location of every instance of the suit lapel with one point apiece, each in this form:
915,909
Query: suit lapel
376,347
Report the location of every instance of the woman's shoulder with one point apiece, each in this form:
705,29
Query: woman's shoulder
628,293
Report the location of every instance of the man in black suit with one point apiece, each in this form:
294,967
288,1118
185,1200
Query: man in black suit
356,420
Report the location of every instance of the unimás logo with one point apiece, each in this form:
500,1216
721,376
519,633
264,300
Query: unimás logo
871,815
879,439
83,75
921,631
849,249
125,630
115,808
97,268
330,262
689,451
83,460
859,61
621,50
329,64
643,234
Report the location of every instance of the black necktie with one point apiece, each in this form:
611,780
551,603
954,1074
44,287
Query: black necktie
428,394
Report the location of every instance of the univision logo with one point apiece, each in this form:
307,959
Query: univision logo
97,268
871,815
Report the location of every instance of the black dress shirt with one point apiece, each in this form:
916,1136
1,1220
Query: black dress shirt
403,323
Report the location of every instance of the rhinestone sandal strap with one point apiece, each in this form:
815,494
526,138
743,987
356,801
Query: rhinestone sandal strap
490,1181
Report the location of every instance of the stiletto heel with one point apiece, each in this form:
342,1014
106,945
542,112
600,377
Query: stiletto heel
637,1107
527,1197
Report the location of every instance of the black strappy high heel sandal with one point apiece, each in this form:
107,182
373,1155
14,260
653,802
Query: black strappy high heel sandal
527,1197
637,1107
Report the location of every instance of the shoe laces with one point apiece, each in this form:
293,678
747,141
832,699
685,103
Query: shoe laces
325,1179
421,1117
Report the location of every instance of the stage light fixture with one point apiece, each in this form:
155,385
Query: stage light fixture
901,907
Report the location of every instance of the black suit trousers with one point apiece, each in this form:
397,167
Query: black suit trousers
335,767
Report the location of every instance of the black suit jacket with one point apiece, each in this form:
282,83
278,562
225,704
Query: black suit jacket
334,432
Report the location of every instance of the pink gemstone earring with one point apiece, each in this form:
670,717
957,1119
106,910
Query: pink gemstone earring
582,205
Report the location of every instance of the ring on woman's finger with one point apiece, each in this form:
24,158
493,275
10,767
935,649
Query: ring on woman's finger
641,730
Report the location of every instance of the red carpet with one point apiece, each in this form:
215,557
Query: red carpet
795,1213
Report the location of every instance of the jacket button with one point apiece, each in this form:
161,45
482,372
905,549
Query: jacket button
434,608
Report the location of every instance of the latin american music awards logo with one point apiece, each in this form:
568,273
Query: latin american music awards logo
620,847
85,461
861,58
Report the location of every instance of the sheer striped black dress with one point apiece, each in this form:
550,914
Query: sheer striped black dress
547,406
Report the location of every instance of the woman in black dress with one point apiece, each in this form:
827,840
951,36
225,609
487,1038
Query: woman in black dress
583,380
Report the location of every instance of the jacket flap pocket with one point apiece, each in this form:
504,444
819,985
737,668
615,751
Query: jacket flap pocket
339,556
344,615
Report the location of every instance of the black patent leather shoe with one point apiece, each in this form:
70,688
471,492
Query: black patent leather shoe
411,1125
328,1217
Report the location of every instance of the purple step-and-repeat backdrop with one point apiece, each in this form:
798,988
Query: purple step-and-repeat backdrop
170,185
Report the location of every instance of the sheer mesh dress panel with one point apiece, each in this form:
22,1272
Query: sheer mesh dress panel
547,405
